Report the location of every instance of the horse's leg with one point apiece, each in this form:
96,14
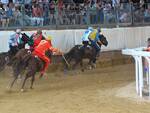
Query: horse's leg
2,67
32,80
15,74
27,76
3,61
81,64
12,83
93,63
77,61
90,64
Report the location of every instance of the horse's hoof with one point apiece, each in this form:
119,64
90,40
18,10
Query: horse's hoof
8,89
22,90
65,71
41,76
31,87
94,65
90,68
82,70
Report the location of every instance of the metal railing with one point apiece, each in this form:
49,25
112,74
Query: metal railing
57,16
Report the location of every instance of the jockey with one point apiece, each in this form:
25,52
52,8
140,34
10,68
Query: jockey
14,41
95,40
37,37
146,49
41,49
85,37
148,45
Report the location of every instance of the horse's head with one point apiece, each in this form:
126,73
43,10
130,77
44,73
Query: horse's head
103,40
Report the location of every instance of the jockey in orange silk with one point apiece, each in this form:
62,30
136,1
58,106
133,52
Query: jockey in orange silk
40,50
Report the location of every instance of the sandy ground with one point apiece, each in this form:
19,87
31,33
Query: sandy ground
106,90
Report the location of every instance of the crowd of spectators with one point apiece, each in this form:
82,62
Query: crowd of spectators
72,12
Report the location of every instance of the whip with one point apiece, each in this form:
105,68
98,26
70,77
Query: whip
65,60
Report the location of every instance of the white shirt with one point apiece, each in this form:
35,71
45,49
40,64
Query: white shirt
4,1
86,34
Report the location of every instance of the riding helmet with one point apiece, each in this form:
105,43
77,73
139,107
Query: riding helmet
18,31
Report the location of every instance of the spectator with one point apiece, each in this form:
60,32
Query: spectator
147,15
27,15
5,16
93,11
37,14
99,11
139,15
115,3
27,1
4,1
60,9
18,16
52,12
18,1
27,10
124,18
46,13
108,14
85,14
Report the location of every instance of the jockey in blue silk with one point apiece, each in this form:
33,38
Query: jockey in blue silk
95,40
85,37
14,40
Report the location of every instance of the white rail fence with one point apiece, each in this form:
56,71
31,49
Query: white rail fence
118,38
142,76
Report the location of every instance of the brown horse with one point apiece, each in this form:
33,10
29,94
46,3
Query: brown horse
77,54
6,58
26,61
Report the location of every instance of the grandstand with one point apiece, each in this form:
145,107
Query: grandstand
57,14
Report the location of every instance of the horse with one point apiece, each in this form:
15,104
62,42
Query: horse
30,64
77,54
6,58
3,60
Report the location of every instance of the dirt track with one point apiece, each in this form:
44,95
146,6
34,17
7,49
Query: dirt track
93,91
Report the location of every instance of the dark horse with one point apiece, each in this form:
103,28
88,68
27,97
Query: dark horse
29,63
7,57
77,54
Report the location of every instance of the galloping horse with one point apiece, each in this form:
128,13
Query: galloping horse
77,54
6,58
28,62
